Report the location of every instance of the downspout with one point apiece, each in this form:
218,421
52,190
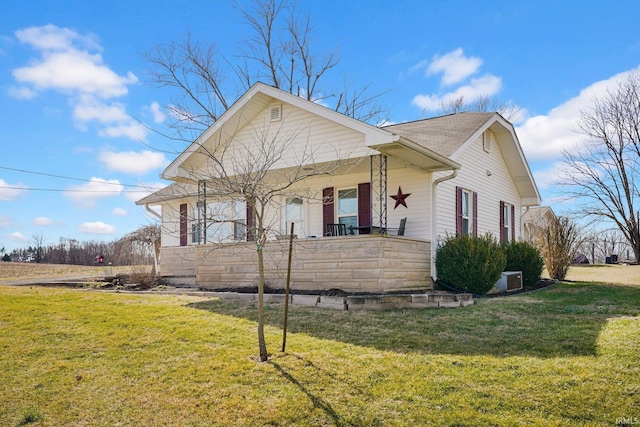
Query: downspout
151,211
434,220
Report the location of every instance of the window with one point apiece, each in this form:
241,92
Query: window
293,213
467,219
226,221
507,222
466,212
348,207
506,213
196,227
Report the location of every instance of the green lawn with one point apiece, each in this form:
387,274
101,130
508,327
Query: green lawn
568,355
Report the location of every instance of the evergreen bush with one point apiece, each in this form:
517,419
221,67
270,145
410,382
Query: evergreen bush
470,264
523,256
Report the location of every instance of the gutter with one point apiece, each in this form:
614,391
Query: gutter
434,220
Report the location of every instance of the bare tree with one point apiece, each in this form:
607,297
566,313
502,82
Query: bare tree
604,172
508,110
279,52
258,170
149,236
38,246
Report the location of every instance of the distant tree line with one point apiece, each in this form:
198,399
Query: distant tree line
129,250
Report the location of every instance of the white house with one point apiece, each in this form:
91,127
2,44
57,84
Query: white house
456,174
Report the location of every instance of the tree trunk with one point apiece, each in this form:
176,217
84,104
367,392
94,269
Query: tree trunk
261,342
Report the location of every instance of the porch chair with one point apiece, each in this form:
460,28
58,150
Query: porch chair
399,230
336,230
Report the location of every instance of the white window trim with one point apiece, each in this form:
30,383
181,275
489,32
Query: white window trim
507,221
337,203
300,228
469,216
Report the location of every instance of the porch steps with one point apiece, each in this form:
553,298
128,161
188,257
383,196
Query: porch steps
357,302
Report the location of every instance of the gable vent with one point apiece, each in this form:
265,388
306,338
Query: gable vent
276,113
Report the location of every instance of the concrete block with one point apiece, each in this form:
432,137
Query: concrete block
307,300
466,303
335,303
419,298
424,305
442,298
449,304
397,299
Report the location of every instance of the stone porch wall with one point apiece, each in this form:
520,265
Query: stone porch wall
178,265
367,263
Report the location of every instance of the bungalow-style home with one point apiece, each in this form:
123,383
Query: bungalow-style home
370,211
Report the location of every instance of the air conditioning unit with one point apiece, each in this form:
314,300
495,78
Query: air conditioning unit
510,281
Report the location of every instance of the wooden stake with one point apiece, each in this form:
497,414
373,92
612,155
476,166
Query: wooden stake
286,292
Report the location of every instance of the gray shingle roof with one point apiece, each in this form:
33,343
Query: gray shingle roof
445,134
172,191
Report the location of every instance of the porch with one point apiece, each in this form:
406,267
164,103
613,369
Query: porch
360,263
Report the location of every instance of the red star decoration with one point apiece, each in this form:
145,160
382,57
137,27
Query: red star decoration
400,198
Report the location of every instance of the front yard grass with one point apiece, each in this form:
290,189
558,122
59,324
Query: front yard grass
567,355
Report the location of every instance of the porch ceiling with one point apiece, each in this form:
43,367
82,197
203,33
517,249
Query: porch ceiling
416,155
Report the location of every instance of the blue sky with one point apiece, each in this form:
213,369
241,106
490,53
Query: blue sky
74,88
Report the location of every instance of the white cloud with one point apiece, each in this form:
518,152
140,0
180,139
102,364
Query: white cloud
85,196
119,212
22,93
113,116
454,66
158,115
132,162
546,136
51,37
131,130
89,108
487,85
97,227
70,63
10,192
42,221
66,64
16,236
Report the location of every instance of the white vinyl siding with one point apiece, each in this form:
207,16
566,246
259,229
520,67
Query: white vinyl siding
300,136
486,174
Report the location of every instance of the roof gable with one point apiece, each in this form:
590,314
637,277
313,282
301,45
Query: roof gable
450,135
253,102
445,134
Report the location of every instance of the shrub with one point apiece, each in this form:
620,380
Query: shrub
141,276
470,264
523,256
558,240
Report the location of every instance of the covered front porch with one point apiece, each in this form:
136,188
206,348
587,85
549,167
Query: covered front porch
359,263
